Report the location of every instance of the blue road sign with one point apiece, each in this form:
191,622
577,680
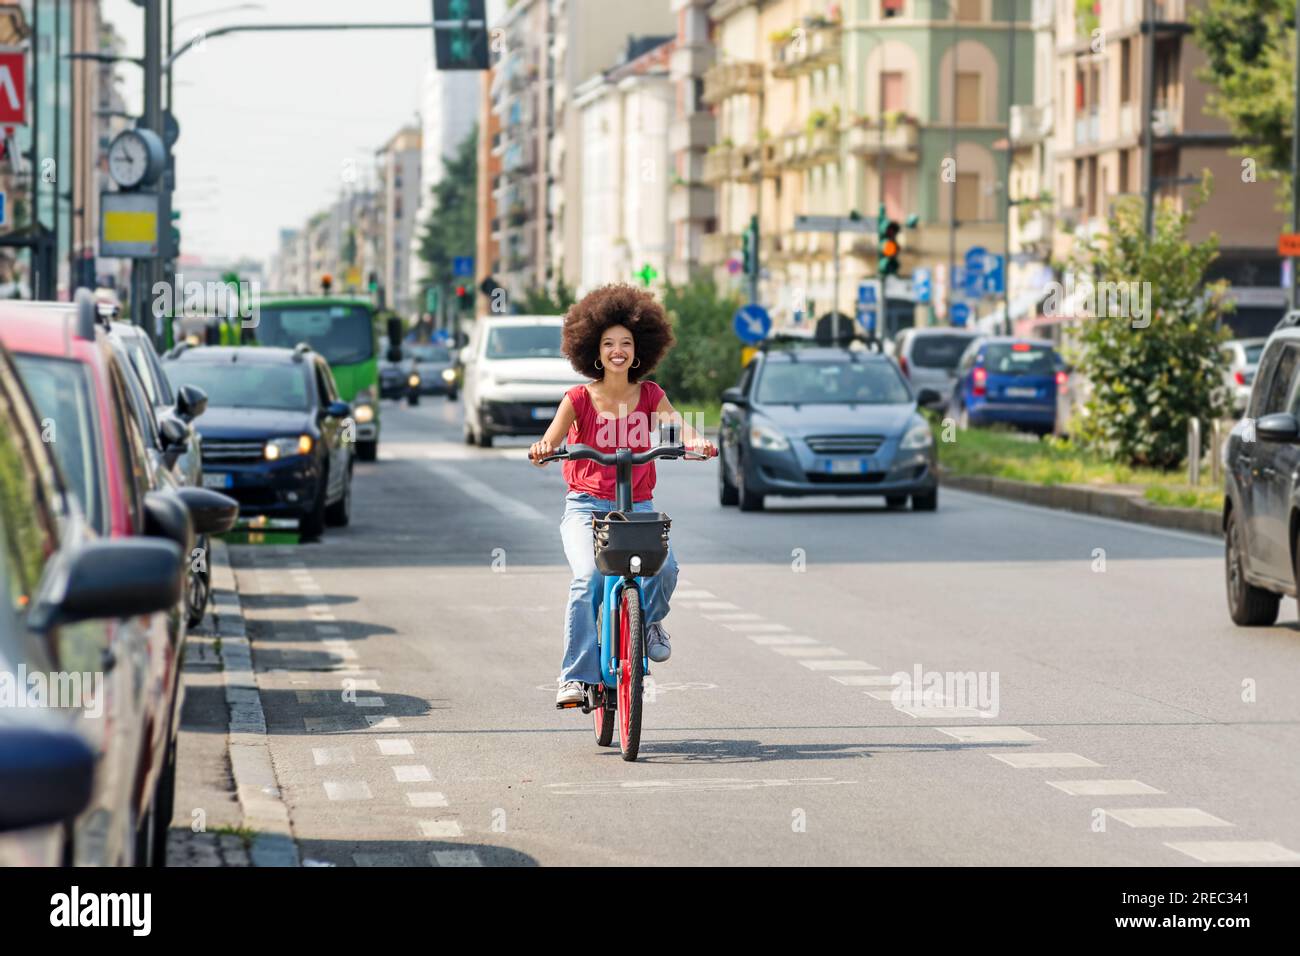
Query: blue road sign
975,257
995,274
867,294
4,209
960,314
462,266
752,323
921,285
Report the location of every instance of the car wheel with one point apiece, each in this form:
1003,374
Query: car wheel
340,513
312,525
1248,605
198,589
483,439
895,502
727,493
413,399
469,435
747,500
368,450
927,502
164,807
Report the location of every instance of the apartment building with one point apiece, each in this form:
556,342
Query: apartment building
398,164
692,203
1101,153
827,108
625,114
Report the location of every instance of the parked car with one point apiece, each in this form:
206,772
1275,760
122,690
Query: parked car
78,386
276,435
399,376
87,593
929,356
826,420
1243,361
436,368
1261,502
1009,381
165,417
514,376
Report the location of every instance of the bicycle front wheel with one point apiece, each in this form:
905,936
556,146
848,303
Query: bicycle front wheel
631,672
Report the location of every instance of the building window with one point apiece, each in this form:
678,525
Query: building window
1125,157
890,9
970,11
968,197
893,92
893,194
968,97
1126,71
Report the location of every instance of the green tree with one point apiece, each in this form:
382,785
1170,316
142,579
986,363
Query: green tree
1249,46
1149,380
452,227
538,301
706,359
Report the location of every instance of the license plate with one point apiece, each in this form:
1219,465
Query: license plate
1021,392
847,466
542,413
218,480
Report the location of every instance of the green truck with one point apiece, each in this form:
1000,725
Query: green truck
341,329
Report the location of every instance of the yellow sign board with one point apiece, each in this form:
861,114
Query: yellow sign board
131,226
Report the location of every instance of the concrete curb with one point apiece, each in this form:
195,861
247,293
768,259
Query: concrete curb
259,795
1120,505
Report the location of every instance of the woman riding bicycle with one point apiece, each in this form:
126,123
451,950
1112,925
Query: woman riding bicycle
616,335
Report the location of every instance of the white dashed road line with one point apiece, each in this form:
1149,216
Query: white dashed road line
1236,851
989,735
1142,817
1103,788
1042,761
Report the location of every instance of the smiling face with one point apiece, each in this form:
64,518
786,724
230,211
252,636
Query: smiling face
617,349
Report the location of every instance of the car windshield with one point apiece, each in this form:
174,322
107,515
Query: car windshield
1019,358
524,341
246,385
1253,353
831,383
342,334
145,365
61,391
939,351
429,353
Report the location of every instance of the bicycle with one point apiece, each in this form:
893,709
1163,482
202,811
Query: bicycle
629,545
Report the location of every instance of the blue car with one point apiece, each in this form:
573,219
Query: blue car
826,420
276,436
1008,381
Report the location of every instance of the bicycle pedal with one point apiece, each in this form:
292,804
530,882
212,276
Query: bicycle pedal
569,706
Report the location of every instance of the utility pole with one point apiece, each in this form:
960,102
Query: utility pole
1295,164
758,200
952,155
145,272
1148,118
1011,99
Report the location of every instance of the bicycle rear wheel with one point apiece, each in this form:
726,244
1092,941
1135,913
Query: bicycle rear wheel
631,671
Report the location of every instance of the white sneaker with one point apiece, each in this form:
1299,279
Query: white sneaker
571,693
657,647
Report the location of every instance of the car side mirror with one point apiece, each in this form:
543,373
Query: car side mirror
174,433
210,511
466,355
166,517
47,776
191,402
929,398
1280,427
734,396
113,579
338,410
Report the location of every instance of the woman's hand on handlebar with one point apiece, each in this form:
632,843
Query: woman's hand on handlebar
539,450
702,446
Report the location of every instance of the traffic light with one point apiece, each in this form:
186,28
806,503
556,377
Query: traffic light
373,282
889,248
464,297
749,248
460,36
326,283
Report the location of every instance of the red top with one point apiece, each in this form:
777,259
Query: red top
635,430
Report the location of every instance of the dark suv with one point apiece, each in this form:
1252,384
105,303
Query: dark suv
1261,505
275,432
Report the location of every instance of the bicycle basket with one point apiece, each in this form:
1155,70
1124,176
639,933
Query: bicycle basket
620,535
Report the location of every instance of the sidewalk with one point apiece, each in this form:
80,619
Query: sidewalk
228,810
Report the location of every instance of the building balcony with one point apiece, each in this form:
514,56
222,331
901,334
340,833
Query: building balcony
1128,119
1030,124
686,202
810,148
696,131
1035,228
732,163
717,247
690,60
1087,127
807,48
898,138
731,79
1166,119
717,165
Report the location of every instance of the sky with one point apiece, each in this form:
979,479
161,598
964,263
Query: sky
270,122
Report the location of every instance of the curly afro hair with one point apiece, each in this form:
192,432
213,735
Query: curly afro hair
610,305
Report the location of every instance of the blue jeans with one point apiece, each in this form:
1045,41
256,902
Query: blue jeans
587,589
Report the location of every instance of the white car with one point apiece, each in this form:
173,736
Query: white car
1243,359
515,376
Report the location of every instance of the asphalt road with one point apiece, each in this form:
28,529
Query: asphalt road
407,668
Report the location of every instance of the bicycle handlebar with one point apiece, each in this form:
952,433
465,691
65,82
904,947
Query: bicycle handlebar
574,452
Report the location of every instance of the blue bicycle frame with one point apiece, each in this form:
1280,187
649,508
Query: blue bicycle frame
613,595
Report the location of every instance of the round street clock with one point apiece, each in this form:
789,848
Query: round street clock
136,158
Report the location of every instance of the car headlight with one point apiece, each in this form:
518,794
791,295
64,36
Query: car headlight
767,437
278,448
449,375
363,414
918,436
413,381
